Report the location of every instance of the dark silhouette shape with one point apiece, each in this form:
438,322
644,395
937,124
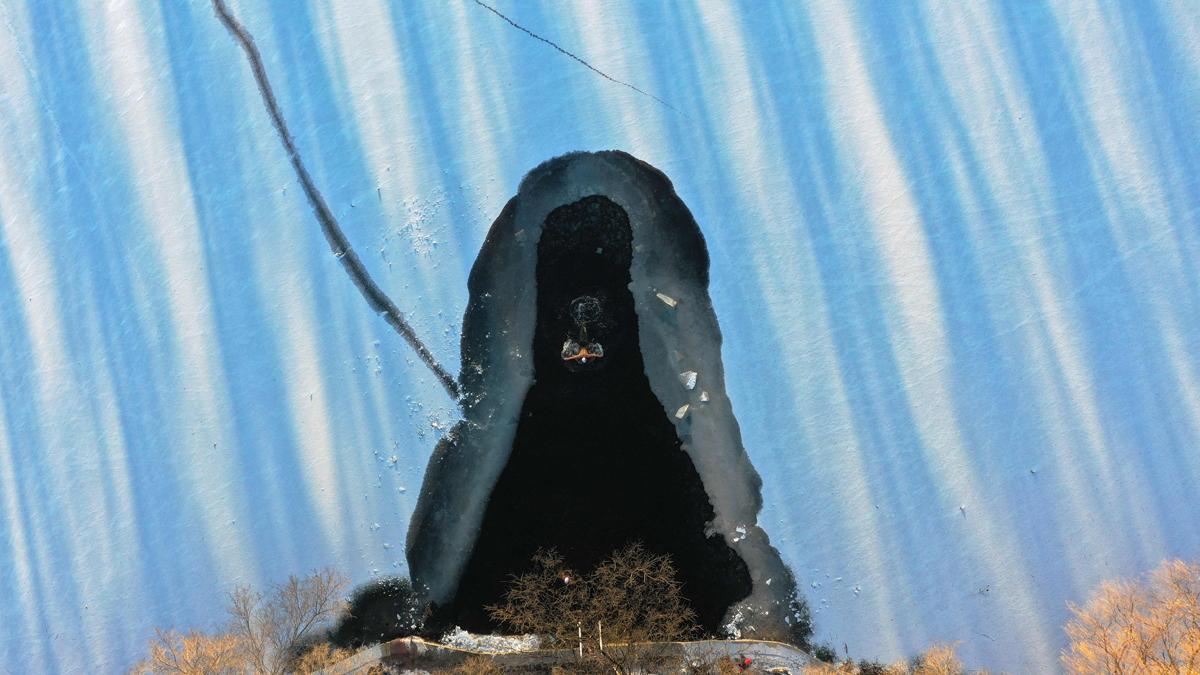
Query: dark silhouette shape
636,443
379,611
596,465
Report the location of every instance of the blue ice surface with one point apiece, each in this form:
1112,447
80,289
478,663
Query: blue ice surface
954,256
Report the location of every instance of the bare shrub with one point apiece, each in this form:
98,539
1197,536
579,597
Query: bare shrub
269,636
825,653
193,653
632,596
636,597
1133,626
273,629
939,659
547,600
319,658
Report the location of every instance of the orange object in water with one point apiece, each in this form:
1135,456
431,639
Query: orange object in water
584,354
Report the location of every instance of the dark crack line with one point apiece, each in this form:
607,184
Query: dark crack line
555,45
338,243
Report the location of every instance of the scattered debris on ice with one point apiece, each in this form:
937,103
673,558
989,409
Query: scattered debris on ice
667,300
688,378
682,412
739,623
490,644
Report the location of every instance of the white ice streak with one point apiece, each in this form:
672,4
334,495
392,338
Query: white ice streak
165,204
917,329
755,159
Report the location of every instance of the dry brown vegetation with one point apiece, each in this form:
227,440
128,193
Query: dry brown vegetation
632,596
193,653
477,665
266,634
1130,626
939,659
320,657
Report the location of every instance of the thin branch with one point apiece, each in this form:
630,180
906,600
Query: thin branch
375,297
587,65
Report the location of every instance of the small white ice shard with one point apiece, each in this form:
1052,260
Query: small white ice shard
704,397
682,412
667,300
688,378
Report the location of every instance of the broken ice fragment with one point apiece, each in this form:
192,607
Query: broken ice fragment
688,378
667,300
682,412
704,397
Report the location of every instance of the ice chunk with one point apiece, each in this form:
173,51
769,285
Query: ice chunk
682,412
491,644
704,397
688,378
667,300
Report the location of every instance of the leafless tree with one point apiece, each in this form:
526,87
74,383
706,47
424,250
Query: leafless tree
274,629
632,596
1131,626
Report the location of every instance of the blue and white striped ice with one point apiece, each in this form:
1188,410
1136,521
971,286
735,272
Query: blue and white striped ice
956,259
